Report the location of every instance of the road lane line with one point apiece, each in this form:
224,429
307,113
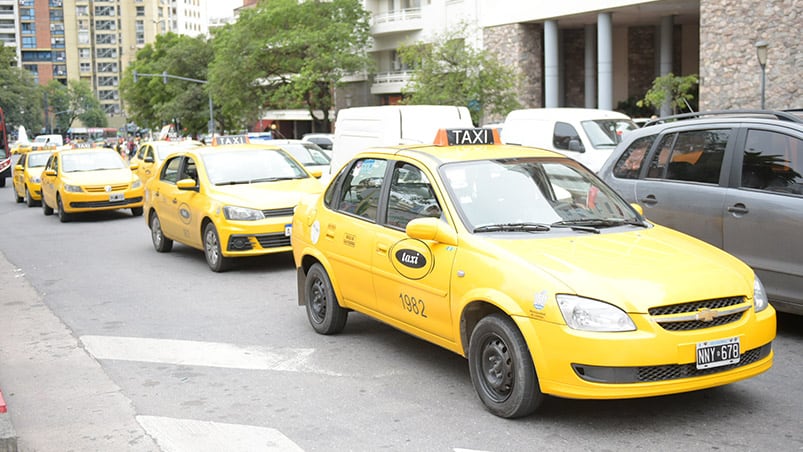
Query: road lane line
195,353
185,435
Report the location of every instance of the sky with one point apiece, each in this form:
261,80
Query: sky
222,8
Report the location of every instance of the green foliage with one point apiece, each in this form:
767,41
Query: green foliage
447,71
20,97
152,103
74,101
288,54
677,90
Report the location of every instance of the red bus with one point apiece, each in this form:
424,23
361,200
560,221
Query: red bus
5,156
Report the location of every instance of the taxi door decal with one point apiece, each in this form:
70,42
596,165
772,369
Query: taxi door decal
411,258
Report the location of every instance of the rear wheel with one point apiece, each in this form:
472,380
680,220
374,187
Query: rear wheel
64,217
28,198
212,249
136,211
502,368
47,210
323,311
161,243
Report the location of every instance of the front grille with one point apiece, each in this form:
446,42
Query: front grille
273,240
698,315
621,375
102,188
284,212
91,204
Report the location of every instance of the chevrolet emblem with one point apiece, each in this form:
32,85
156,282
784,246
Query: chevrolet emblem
706,315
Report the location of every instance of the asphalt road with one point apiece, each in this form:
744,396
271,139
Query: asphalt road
108,345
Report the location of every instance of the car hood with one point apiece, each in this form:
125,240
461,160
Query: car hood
634,270
267,195
110,176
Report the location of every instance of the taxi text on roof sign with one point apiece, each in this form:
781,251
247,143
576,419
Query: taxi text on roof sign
459,137
230,139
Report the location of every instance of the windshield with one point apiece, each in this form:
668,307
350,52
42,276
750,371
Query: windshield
307,153
535,192
251,166
36,160
607,132
74,161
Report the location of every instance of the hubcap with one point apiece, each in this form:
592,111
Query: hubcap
156,230
317,301
211,247
497,369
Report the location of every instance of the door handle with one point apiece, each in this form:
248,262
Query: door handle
175,200
381,248
649,200
738,209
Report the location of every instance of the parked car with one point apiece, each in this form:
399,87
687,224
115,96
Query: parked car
731,178
309,154
27,176
324,140
526,263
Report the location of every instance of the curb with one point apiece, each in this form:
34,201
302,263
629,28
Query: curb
8,437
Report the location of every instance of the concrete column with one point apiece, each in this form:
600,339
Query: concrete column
605,61
590,79
551,64
667,24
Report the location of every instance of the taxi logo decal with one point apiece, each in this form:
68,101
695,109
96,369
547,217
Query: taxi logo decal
411,258
185,213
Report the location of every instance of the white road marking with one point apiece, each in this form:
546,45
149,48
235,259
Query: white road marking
194,353
187,435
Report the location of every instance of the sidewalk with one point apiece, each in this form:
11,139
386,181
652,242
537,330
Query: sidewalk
58,397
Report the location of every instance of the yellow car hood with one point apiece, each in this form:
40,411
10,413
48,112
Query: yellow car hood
634,270
267,195
97,177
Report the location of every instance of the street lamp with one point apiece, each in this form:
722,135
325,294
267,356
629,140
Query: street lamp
761,52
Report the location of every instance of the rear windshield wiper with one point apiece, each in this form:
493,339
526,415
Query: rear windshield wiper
513,227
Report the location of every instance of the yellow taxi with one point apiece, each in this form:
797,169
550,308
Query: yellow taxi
27,176
85,180
527,264
151,153
232,199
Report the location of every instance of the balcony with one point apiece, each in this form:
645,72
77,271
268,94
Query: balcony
390,82
404,20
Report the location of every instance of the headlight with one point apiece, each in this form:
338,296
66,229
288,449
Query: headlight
242,213
591,315
36,180
72,188
760,301
137,183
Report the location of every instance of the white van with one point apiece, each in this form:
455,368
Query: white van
360,128
583,134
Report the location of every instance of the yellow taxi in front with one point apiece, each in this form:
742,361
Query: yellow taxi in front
527,264
86,180
27,176
151,153
229,201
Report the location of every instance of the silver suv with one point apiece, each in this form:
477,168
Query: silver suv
731,178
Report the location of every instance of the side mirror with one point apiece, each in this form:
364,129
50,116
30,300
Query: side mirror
50,172
638,208
18,168
316,174
134,166
187,184
576,146
431,229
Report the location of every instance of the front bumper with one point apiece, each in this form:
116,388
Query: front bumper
647,362
88,202
255,238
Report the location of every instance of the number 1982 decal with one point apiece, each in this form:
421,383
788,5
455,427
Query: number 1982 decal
413,305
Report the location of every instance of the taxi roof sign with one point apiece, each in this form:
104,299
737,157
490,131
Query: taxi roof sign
230,139
460,137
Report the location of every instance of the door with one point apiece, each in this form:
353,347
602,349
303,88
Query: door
411,277
165,200
48,182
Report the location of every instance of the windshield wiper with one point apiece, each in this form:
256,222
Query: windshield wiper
272,179
234,182
513,227
594,223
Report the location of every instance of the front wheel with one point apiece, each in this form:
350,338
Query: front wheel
214,255
17,197
28,198
502,370
323,311
64,217
161,243
47,210
137,211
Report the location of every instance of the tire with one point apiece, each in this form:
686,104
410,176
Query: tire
502,369
2,181
323,311
161,243
28,198
47,210
212,250
137,211
64,217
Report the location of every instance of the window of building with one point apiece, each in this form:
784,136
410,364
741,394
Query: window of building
140,10
84,53
104,11
82,10
85,67
29,42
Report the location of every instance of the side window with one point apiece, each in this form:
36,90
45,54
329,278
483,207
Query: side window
564,135
170,170
629,164
361,188
773,162
697,156
141,152
659,160
411,196
189,170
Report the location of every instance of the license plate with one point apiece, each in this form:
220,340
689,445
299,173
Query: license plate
116,197
718,353
288,229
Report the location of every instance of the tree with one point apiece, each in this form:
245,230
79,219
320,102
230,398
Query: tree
677,90
151,102
20,96
448,71
288,54
74,101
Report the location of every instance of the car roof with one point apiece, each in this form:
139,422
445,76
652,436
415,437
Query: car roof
461,153
714,116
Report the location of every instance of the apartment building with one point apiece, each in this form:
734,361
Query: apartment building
9,24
